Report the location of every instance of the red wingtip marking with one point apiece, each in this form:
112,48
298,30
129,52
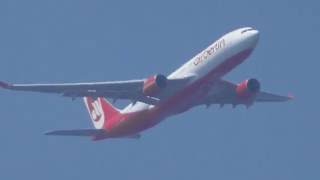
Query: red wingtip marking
4,85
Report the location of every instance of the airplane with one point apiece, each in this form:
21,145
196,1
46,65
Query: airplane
197,82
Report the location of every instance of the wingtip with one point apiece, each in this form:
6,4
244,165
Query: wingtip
291,96
48,133
4,85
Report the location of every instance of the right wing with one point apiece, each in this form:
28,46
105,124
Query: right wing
224,92
269,97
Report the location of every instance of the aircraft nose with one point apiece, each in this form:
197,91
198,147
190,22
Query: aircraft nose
255,34
254,37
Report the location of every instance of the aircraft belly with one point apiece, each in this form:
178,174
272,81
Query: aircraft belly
135,122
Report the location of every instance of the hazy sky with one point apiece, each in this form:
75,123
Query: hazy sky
73,41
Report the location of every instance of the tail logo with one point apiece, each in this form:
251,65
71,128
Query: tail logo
96,112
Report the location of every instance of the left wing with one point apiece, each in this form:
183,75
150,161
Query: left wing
224,92
129,90
114,89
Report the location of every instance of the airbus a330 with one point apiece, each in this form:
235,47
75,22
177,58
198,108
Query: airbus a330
197,82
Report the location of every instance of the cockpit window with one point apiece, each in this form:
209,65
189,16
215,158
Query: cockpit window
246,30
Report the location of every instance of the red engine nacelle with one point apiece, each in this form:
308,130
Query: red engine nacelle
248,89
153,85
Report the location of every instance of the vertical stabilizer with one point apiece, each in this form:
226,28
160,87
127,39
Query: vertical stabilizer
100,111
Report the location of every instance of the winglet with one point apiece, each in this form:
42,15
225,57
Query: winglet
4,85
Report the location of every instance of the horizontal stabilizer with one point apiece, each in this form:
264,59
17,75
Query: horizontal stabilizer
77,132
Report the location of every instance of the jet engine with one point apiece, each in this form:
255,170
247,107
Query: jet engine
248,89
154,84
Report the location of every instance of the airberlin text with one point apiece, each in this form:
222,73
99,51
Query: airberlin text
208,52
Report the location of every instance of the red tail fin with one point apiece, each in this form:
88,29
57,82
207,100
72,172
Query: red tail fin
100,111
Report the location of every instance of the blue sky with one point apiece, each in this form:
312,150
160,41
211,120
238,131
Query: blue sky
74,41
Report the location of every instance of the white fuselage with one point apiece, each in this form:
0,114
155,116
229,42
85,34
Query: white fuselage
210,59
